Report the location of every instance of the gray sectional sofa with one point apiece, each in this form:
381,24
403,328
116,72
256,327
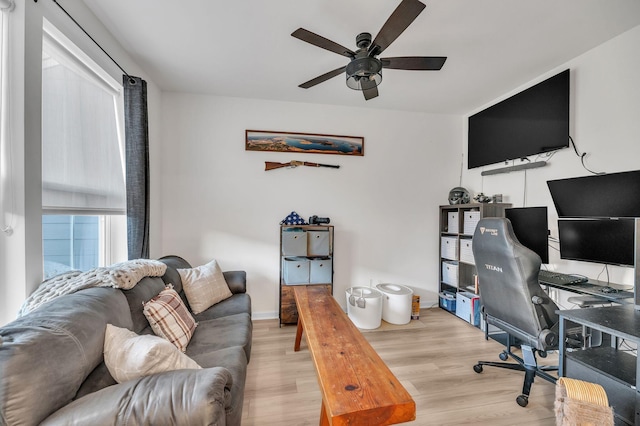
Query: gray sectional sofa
52,369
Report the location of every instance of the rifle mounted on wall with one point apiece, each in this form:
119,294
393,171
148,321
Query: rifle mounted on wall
270,165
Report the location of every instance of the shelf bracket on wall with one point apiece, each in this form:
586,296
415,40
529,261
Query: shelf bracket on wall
510,169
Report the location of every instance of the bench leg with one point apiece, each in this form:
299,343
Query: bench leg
296,346
324,419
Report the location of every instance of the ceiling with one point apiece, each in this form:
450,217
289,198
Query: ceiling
244,48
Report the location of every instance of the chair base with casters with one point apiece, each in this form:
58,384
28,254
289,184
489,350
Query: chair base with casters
527,363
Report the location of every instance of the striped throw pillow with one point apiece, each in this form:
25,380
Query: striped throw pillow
169,318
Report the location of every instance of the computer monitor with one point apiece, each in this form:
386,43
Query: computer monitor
530,225
609,241
610,195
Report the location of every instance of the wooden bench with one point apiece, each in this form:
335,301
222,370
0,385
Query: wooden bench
357,387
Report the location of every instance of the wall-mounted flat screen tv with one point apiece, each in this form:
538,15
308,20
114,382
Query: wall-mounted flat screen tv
609,241
531,228
610,195
531,122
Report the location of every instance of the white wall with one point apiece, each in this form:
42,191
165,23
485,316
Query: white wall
220,203
21,252
605,123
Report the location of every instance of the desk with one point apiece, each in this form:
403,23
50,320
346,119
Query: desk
594,287
357,386
615,369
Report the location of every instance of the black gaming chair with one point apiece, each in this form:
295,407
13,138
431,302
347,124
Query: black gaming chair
513,301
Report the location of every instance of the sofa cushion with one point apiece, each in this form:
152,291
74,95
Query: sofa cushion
204,286
236,304
129,356
169,318
145,290
171,275
220,333
64,339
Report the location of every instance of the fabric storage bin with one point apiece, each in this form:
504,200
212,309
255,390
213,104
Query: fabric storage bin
448,301
320,271
452,222
468,307
449,248
318,243
450,273
295,270
294,242
466,251
471,219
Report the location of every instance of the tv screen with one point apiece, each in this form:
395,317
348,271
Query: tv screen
531,228
609,241
610,195
531,122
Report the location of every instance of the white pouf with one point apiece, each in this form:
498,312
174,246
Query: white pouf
364,307
396,303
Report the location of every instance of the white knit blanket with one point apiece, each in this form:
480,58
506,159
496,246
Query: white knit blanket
123,275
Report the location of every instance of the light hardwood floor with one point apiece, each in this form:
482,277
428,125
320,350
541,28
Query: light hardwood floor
434,363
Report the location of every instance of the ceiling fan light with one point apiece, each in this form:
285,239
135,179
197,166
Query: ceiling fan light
366,69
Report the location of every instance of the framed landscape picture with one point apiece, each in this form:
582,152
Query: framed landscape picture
308,143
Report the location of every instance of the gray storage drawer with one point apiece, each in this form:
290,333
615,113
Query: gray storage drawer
318,243
320,271
294,243
295,270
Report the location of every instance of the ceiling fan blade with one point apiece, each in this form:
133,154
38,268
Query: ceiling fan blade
324,43
323,77
400,19
369,89
419,63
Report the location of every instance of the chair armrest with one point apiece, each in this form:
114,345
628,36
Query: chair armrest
236,280
188,397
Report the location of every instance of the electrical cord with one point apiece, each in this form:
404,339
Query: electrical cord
605,268
582,157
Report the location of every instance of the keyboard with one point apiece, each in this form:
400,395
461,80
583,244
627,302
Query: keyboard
550,277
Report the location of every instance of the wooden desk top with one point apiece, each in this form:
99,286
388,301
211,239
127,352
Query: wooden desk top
357,386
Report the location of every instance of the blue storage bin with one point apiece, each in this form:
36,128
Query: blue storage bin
448,301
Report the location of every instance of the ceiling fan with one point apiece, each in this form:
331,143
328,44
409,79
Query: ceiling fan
364,71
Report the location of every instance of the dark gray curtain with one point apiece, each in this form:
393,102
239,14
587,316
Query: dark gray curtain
137,158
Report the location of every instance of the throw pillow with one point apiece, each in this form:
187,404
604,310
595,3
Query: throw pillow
169,318
130,356
204,286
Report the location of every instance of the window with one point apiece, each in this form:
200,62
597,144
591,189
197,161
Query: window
83,178
6,192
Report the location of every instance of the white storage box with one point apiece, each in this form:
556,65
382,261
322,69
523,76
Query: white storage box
452,222
295,270
318,243
449,248
450,273
468,307
471,219
466,251
320,271
294,242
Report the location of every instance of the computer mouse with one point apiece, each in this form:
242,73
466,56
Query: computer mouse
608,290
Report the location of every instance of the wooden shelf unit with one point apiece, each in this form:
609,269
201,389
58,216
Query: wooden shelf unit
306,258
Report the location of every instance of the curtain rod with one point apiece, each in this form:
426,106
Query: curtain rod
131,79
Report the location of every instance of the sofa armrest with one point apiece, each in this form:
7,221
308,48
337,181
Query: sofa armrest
237,281
187,397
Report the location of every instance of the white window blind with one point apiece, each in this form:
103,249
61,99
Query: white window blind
82,146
